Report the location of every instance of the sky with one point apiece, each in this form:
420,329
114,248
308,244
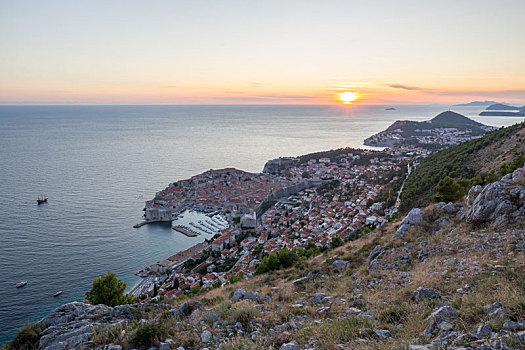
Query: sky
261,52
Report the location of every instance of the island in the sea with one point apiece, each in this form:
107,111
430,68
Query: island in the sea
476,104
446,129
503,110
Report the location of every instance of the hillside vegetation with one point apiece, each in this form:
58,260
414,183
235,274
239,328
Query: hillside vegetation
477,161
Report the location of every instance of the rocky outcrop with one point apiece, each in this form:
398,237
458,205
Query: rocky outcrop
277,166
441,319
340,264
72,326
473,193
241,294
425,293
414,217
501,202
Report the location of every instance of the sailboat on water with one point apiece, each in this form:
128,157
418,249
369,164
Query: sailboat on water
41,200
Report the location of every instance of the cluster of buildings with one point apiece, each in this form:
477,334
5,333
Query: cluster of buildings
435,137
342,205
229,191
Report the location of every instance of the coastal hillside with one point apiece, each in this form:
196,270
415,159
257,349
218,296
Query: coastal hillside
448,276
445,129
475,162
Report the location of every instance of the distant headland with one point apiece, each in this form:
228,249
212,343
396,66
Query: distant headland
446,129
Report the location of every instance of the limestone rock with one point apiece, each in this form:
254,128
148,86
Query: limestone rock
241,294
187,308
443,318
206,336
318,298
340,264
425,293
473,193
450,208
414,217
290,346
375,252
383,333
484,331
500,202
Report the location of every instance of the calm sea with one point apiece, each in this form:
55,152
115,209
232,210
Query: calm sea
98,164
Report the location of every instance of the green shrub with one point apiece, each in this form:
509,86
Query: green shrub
448,190
145,336
336,242
27,338
108,290
278,260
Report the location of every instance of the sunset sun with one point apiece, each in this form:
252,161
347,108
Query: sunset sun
347,97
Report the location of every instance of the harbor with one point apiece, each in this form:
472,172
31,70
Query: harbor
184,231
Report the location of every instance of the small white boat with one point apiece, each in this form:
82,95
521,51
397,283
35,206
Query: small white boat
57,293
20,284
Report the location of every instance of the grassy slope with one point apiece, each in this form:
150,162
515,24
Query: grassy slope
386,293
461,161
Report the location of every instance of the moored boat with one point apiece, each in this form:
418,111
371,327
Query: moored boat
41,200
57,293
20,284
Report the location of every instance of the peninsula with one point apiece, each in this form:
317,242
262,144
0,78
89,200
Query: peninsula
303,202
446,129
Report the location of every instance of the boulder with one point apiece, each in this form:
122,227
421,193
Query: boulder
414,217
112,347
484,331
241,294
425,293
340,264
450,208
290,346
441,319
318,298
238,295
444,313
206,336
496,311
383,333
300,281
164,346
402,229
375,252
514,326
418,347
187,308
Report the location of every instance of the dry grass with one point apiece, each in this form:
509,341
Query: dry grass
390,300
244,311
485,160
